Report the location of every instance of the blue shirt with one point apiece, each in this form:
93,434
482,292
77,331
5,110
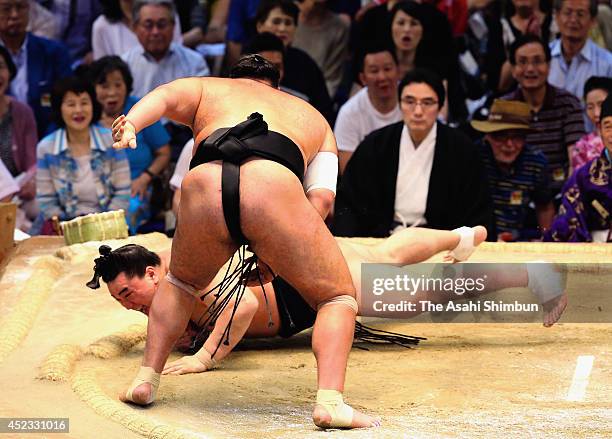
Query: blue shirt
76,35
179,62
241,20
148,140
19,84
56,170
591,61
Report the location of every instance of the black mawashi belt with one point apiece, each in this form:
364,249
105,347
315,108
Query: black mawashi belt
233,146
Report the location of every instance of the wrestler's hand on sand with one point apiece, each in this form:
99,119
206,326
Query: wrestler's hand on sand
124,133
185,365
266,275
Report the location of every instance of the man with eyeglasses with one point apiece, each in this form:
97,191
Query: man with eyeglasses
158,60
39,61
517,173
575,57
556,114
416,172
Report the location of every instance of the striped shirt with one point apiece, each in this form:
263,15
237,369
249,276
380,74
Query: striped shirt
57,173
512,192
559,125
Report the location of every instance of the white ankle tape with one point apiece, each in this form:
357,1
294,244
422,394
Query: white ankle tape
465,248
332,401
340,300
545,282
182,285
204,356
145,375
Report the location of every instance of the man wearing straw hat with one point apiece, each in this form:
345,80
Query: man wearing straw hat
517,172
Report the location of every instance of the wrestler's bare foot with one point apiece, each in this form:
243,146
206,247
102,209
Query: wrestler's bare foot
141,395
322,419
480,234
553,309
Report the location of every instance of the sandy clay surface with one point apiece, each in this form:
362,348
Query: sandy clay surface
69,351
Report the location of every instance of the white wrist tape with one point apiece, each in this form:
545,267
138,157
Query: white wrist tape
322,172
204,357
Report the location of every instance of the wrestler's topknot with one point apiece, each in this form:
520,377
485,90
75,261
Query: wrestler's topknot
131,259
256,67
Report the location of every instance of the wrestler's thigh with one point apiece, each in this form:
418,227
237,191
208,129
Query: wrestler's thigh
355,254
201,244
287,233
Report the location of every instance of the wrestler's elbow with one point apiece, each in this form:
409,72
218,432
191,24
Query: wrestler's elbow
322,200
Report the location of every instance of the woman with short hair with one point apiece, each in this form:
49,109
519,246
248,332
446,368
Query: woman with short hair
78,170
113,82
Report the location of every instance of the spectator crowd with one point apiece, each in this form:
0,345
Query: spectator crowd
446,113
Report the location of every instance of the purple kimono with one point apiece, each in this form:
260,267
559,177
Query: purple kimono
586,203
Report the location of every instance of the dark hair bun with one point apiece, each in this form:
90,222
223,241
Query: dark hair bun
105,250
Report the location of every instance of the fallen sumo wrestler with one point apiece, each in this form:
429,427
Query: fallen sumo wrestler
132,274
239,191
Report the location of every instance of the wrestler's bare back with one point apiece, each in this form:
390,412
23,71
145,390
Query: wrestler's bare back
224,103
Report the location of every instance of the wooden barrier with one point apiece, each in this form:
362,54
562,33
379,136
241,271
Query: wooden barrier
8,213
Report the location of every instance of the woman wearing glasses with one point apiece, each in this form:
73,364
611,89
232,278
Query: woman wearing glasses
416,172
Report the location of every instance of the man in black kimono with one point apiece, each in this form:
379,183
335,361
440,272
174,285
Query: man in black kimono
417,172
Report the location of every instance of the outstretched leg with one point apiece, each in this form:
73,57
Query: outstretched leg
408,246
413,244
